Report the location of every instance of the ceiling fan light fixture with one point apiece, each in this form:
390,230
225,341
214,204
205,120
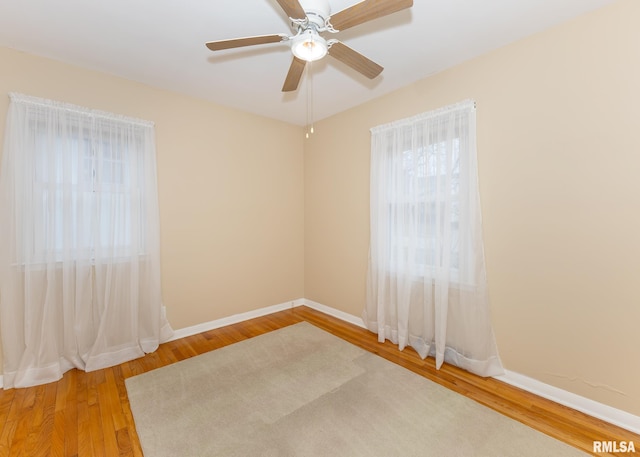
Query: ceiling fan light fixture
309,46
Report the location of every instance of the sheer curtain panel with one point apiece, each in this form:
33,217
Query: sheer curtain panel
426,285
79,241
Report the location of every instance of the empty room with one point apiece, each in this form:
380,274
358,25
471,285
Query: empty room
320,227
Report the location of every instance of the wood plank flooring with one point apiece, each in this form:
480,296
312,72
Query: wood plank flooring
88,414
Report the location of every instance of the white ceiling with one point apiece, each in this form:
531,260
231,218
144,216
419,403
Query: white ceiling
161,43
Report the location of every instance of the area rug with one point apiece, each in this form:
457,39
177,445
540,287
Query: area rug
300,391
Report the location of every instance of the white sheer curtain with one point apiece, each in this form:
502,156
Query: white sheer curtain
79,243
426,284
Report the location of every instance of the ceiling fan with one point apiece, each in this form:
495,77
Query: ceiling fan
310,18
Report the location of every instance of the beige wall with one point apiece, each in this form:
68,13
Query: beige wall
230,188
559,157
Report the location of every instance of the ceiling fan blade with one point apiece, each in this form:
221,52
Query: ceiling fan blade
292,8
294,75
367,10
355,60
248,41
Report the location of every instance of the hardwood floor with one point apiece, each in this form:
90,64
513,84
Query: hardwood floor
88,414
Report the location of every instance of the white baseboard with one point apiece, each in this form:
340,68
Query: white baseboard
211,325
601,411
585,405
334,312
593,408
236,318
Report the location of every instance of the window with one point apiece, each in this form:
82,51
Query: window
420,185
79,241
426,284
430,195
88,184
93,174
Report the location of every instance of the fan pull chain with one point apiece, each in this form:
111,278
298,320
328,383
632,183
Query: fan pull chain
309,99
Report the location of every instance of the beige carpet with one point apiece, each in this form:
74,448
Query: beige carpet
300,391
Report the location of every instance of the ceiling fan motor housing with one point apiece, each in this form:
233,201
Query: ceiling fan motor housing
318,11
